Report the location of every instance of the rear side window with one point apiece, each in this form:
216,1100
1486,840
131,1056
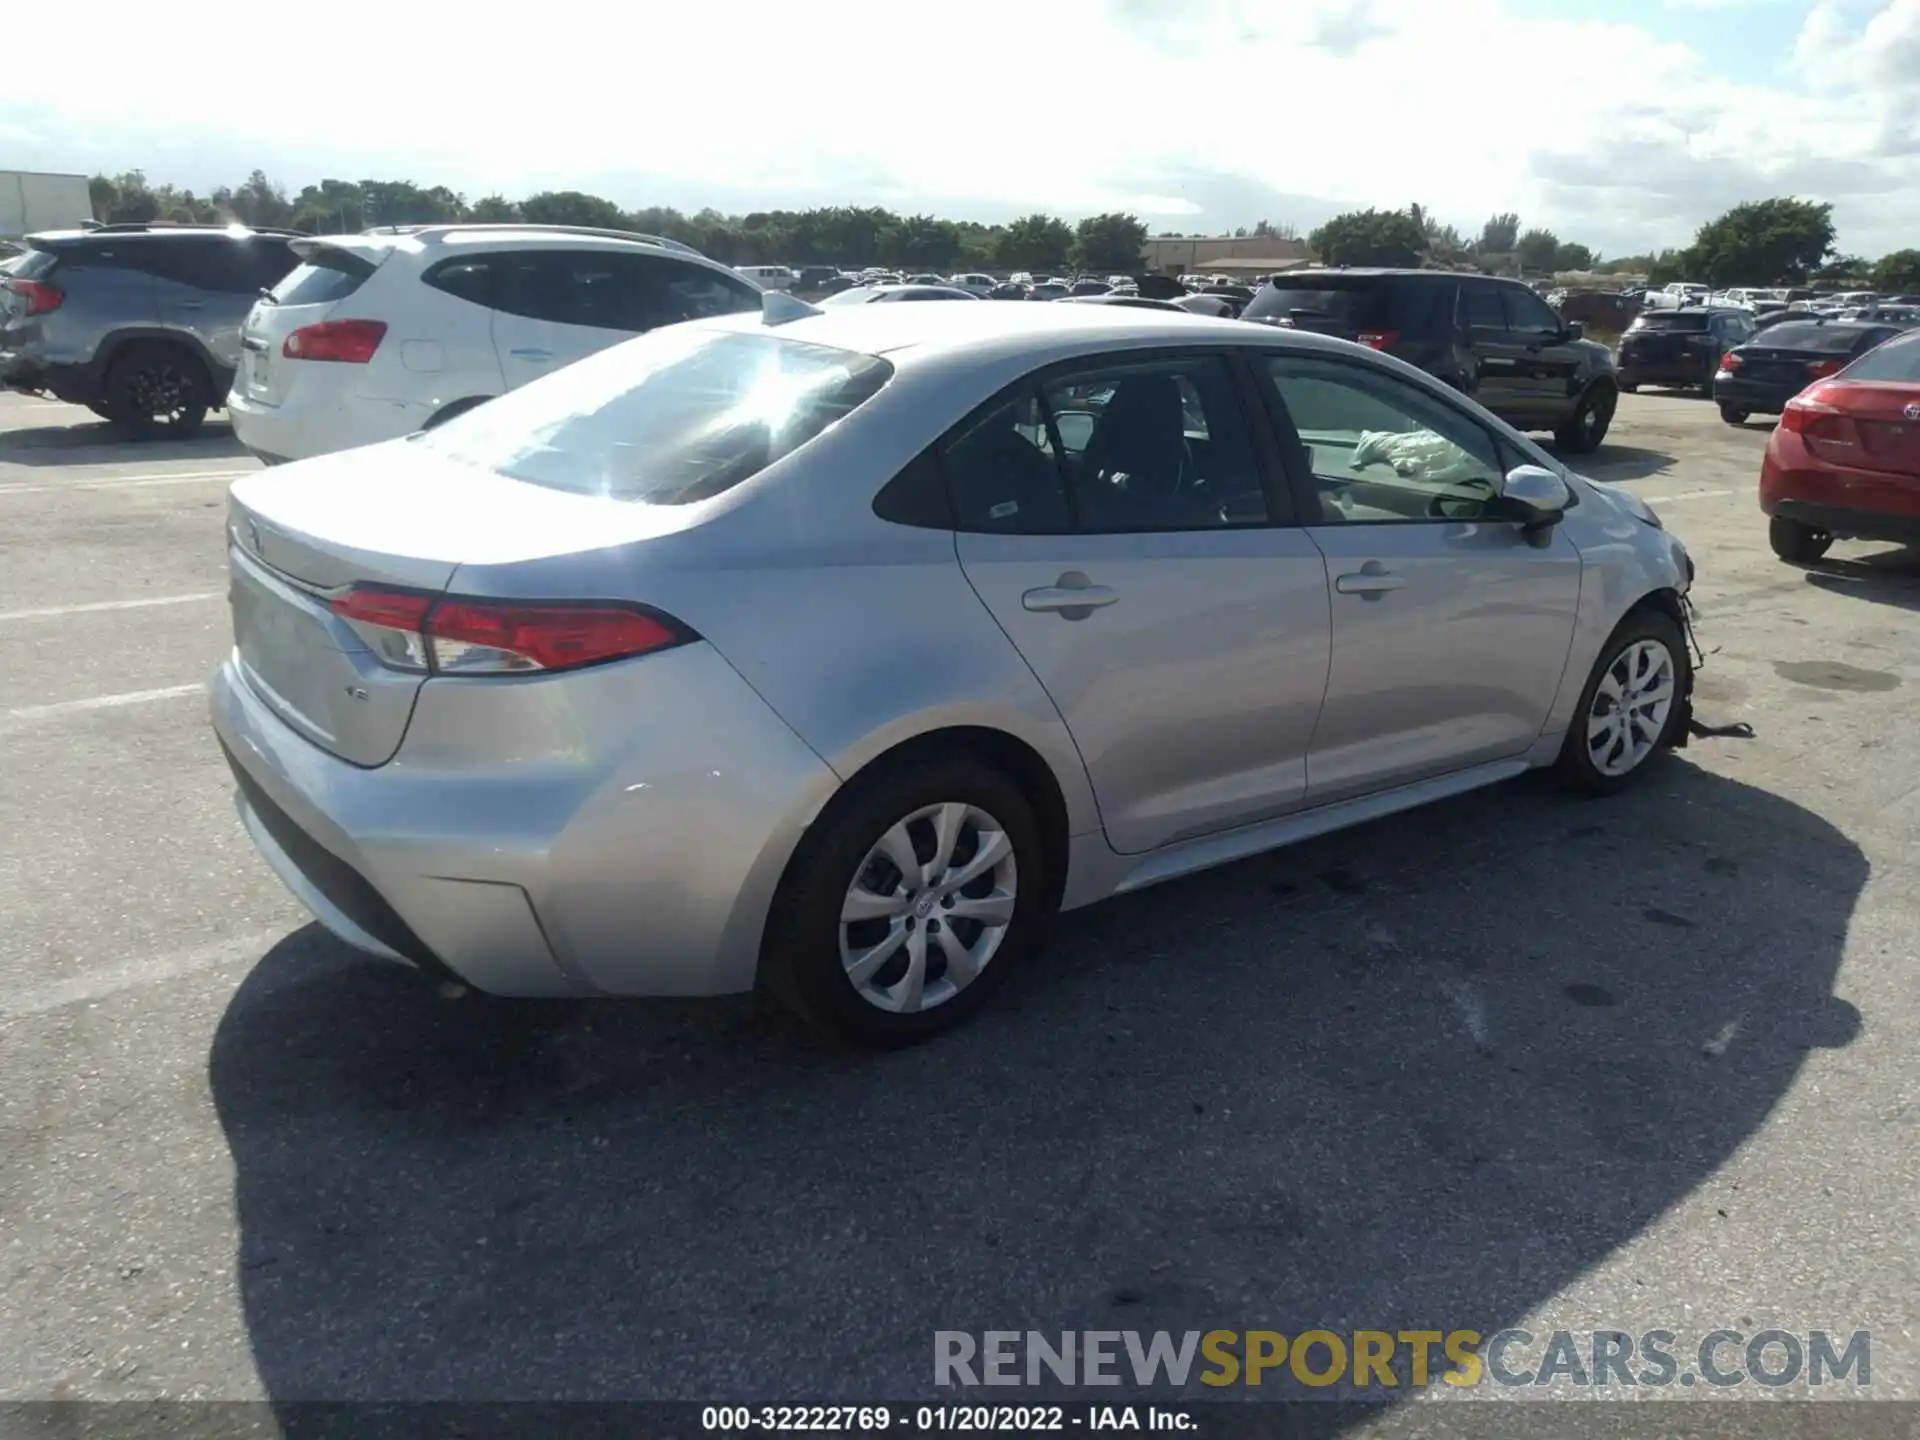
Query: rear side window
469,280
1825,339
667,292
327,275
565,287
34,265
1896,362
1348,302
218,263
673,417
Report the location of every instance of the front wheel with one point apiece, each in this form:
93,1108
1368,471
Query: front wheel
1732,414
1796,543
910,902
1630,708
1582,431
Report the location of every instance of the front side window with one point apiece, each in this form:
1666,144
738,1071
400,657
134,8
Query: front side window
1526,310
1380,450
666,292
564,288
1481,308
673,417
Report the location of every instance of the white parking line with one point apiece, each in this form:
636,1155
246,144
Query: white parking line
193,477
1683,495
97,606
31,713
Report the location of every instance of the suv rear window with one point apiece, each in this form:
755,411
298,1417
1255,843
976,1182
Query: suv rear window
326,275
1897,361
678,415
1351,302
1798,335
1654,320
34,265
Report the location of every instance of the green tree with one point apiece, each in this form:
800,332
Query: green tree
1536,249
1039,243
1500,234
1765,242
1574,256
258,201
572,207
1109,243
493,210
1848,270
923,243
1370,237
1898,273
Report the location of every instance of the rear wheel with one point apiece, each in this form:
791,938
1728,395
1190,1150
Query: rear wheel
1630,708
1796,543
1733,414
909,902
157,391
1583,430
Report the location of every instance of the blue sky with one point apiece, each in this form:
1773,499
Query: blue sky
1624,125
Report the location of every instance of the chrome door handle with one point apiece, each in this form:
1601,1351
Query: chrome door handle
533,354
1057,599
1368,582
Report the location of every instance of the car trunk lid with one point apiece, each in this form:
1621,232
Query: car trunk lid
395,515
328,274
1887,417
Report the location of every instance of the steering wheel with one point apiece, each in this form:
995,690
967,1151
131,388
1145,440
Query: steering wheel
1436,507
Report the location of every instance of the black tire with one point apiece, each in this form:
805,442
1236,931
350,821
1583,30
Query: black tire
157,391
1582,431
800,956
1733,414
1646,622
458,407
1796,543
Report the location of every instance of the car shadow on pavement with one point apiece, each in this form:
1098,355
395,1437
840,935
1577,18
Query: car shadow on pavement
1618,462
1886,577
1425,1073
99,443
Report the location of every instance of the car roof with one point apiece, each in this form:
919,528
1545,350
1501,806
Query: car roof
1366,272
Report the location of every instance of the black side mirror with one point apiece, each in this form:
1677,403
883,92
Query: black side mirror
1575,329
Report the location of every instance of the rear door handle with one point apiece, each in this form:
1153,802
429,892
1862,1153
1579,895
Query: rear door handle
1065,598
533,354
1368,582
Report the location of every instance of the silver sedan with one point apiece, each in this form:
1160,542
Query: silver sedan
836,651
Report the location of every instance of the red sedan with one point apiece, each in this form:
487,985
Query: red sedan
1844,462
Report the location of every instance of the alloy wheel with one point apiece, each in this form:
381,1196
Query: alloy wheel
1630,707
928,908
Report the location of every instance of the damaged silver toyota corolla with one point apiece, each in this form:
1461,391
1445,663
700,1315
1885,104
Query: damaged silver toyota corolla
838,651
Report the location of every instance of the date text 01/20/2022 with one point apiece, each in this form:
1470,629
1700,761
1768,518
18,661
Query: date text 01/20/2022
979,1418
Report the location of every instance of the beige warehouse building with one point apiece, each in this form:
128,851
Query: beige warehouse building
1224,254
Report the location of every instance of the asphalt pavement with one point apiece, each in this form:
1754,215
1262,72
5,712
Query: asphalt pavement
1517,1059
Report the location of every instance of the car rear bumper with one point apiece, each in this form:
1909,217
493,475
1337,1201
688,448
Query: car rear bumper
1685,369
1758,397
623,837
1851,524
305,427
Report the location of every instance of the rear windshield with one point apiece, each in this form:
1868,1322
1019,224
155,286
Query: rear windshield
1798,335
324,276
1352,302
1654,320
1898,360
33,265
675,416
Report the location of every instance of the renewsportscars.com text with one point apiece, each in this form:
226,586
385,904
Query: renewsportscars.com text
1373,1360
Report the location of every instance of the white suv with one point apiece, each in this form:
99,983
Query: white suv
378,335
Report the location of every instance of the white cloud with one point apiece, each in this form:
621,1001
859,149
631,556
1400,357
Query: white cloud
1229,110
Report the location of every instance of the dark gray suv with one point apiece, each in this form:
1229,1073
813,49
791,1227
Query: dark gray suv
141,324
1493,339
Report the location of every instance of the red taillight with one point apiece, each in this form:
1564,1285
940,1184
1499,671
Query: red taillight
1823,427
1378,339
490,637
1729,362
1821,369
41,297
350,342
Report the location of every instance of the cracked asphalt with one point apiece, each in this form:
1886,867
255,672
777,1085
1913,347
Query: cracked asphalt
1514,1061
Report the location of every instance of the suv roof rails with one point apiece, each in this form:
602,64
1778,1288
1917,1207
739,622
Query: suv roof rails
163,227
438,232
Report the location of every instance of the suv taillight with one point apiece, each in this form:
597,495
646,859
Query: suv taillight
1729,362
41,297
350,342
1378,339
460,636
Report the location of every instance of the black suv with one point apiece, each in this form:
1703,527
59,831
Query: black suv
1492,339
141,324
1681,347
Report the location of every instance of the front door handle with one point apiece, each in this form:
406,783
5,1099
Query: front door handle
1371,580
533,354
1073,595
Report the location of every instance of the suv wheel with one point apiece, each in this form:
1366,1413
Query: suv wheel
157,391
1582,431
1732,414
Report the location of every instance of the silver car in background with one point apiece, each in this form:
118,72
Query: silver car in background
836,651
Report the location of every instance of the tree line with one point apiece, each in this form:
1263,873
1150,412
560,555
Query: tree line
829,235
1781,241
